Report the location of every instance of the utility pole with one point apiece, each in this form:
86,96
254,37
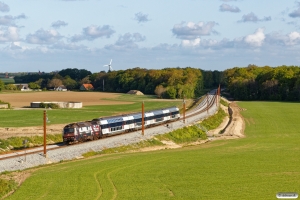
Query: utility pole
143,127
45,118
217,97
183,110
103,85
207,102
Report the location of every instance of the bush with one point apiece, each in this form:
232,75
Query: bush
7,186
49,105
3,102
17,142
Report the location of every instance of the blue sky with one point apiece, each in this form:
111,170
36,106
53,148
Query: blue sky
50,35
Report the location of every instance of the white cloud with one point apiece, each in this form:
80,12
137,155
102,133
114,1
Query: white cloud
191,43
42,36
8,20
59,24
295,13
251,17
9,34
127,41
193,30
4,7
93,32
256,39
140,17
293,38
67,46
225,7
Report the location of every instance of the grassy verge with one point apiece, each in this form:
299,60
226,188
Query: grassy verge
7,186
224,103
17,142
194,133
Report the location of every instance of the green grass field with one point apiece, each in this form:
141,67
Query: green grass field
258,166
23,118
8,80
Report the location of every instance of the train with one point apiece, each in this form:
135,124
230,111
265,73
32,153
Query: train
107,126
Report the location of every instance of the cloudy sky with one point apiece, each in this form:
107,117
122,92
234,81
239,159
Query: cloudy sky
50,35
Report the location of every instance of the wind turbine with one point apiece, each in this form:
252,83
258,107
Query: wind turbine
109,66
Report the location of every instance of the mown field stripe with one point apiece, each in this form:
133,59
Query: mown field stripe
258,166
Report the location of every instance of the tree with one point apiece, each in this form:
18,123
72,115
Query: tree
55,83
1,85
85,80
33,85
10,87
159,90
171,92
70,83
75,73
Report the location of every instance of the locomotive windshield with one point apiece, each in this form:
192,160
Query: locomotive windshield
68,130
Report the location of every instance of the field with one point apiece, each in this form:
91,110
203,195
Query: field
8,80
23,99
257,166
95,104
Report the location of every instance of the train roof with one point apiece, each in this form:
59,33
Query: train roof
120,118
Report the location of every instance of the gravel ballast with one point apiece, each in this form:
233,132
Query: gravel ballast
75,151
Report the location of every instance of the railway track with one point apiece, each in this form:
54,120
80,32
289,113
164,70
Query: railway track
201,107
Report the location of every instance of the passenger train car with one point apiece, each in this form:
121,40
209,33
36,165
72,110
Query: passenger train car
107,126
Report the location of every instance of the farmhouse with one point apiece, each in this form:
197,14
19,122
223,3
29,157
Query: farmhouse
61,88
22,87
86,87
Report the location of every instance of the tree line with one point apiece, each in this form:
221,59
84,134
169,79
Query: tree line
165,83
280,83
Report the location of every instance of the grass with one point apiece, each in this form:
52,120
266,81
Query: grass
25,118
258,166
17,142
8,80
6,186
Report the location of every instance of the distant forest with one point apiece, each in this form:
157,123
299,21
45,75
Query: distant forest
280,83
264,83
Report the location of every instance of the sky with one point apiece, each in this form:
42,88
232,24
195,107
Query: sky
51,35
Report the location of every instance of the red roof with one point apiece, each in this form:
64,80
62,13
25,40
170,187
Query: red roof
88,86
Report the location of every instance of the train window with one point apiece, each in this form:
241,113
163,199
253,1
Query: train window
116,128
159,119
104,126
138,120
68,130
129,121
140,123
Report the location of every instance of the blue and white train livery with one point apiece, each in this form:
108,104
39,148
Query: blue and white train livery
107,126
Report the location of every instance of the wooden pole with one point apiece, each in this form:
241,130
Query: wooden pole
45,154
183,111
143,127
207,102
216,97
